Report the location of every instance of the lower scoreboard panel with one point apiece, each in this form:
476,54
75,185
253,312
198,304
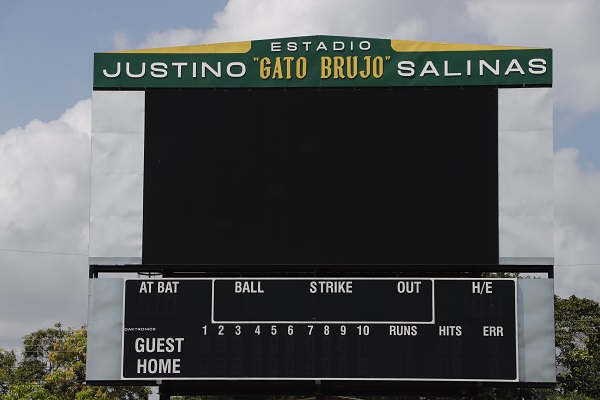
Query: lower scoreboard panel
301,328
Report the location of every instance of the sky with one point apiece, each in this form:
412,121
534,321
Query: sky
46,70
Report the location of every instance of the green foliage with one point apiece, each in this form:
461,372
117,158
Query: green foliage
52,367
577,333
8,364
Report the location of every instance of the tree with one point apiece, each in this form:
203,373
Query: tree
52,367
8,363
577,333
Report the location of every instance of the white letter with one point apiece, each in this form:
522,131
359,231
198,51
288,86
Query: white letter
338,46
159,70
406,68
238,64
106,74
216,72
429,68
179,66
321,46
514,67
537,66
129,74
141,366
447,73
495,71
139,345
152,365
401,286
160,345
169,348
179,340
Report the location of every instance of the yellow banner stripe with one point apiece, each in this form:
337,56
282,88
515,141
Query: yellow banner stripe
233,47
417,46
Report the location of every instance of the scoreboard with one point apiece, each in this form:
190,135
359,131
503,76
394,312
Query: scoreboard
272,183
317,328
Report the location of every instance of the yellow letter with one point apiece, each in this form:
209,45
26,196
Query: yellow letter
351,66
365,73
265,70
338,64
378,67
288,67
325,67
301,67
277,69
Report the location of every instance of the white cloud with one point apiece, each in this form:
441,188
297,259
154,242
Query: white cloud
44,198
577,226
262,19
378,18
44,183
570,28
121,41
173,37
39,290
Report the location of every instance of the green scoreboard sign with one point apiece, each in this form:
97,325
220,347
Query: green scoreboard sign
323,61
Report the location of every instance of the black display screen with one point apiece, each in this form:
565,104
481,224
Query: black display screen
303,328
321,176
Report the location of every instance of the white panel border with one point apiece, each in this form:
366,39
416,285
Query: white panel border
525,176
117,177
